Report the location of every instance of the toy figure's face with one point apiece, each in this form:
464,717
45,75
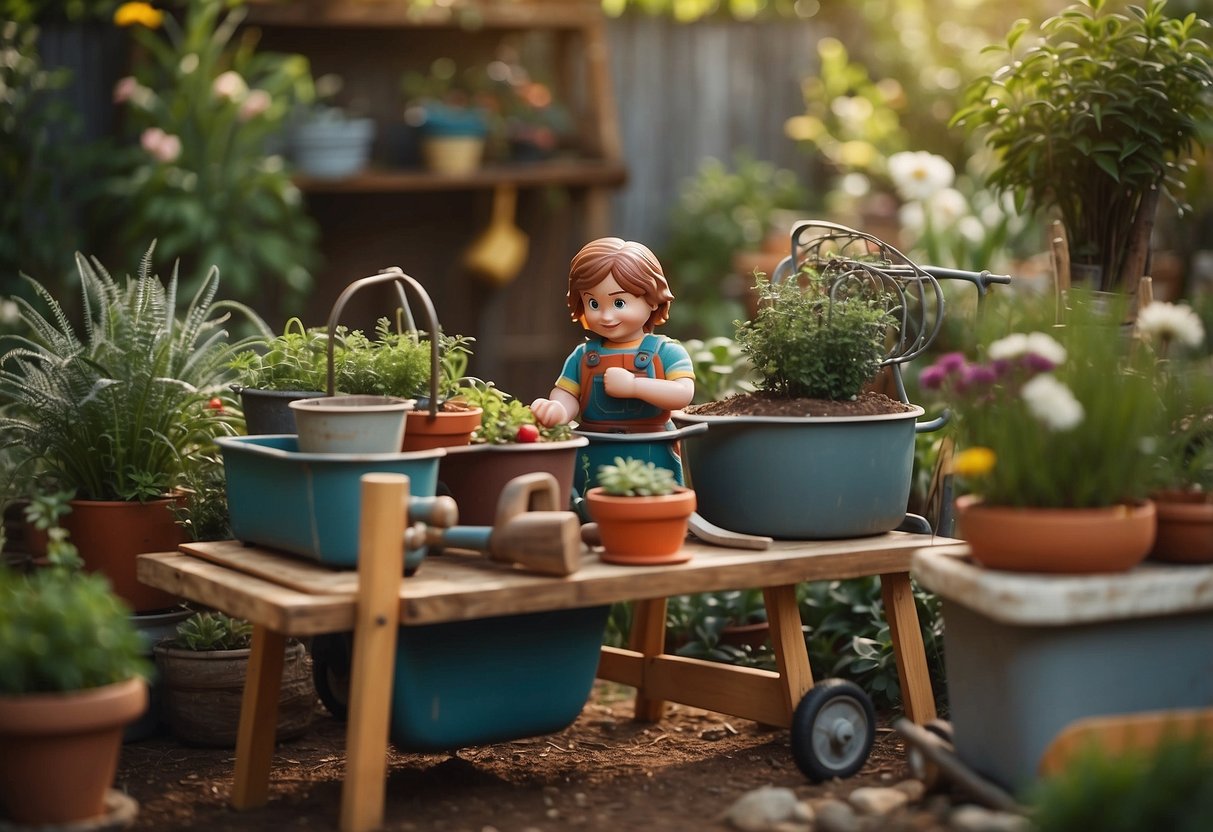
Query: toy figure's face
614,313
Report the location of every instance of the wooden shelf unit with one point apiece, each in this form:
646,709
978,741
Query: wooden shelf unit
422,221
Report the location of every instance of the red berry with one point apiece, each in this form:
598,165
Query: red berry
215,404
528,433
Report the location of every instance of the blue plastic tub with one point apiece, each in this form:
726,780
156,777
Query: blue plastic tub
493,679
308,504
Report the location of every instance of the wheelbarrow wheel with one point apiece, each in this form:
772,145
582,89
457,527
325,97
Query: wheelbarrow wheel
332,658
833,730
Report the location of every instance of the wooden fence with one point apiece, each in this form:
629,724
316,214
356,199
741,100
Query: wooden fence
706,89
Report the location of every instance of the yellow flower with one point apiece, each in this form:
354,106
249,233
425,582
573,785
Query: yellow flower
974,462
138,14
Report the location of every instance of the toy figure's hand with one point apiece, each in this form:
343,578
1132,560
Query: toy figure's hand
549,413
619,383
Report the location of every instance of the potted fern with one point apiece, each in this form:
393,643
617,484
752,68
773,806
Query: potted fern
641,511
1093,119
119,411
72,676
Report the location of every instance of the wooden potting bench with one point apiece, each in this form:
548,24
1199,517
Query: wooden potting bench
285,596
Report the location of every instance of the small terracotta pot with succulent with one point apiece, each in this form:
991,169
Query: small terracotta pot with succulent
641,512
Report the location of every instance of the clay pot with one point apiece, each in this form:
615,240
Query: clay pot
642,531
109,534
61,751
1185,527
1057,540
445,429
476,474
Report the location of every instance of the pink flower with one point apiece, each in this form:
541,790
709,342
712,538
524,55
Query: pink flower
164,147
125,89
257,102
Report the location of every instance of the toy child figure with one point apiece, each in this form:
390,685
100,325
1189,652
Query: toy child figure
623,378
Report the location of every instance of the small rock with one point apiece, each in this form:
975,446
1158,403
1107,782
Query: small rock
915,790
791,826
878,801
761,809
835,816
970,818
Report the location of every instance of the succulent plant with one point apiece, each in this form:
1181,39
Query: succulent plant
632,477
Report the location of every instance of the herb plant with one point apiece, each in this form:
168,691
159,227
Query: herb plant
212,631
117,412
813,340
64,631
503,415
633,477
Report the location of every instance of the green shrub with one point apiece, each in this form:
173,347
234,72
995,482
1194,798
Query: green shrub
814,341
63,631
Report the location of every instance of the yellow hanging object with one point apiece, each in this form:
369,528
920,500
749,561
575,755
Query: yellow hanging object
499,253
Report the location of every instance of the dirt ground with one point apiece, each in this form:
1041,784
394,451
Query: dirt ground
605,772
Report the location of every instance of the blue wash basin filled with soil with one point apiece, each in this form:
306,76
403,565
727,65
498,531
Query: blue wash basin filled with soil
308,504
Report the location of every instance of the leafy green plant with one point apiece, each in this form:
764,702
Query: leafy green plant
394,363
116,413
44,512
815,341
212,631
721,368
1094,120
848,636
1169,787
43,11
198,173
64,631
502,415
721,211
633,477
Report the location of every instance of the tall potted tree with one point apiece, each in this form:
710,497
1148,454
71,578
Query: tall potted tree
1092,119
119,412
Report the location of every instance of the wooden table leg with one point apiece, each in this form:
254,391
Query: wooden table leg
258,719
912,670
376,621
787,639
648,639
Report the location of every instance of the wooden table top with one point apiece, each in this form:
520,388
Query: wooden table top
295,596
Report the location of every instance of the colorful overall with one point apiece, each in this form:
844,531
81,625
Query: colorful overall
602,413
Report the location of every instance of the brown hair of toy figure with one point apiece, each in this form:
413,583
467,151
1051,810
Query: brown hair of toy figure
635,269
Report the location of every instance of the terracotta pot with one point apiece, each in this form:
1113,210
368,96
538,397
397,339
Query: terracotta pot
110,533
445,429
642,531
61,751
1057,540
1185,527
204,689
475,474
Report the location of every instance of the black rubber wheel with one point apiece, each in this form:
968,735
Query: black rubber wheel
833,730
332,658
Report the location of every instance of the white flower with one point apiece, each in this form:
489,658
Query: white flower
912,217
1167,322
947,206
9,314
1036,343
188,64
1052,403
231,86
919,175
971,229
